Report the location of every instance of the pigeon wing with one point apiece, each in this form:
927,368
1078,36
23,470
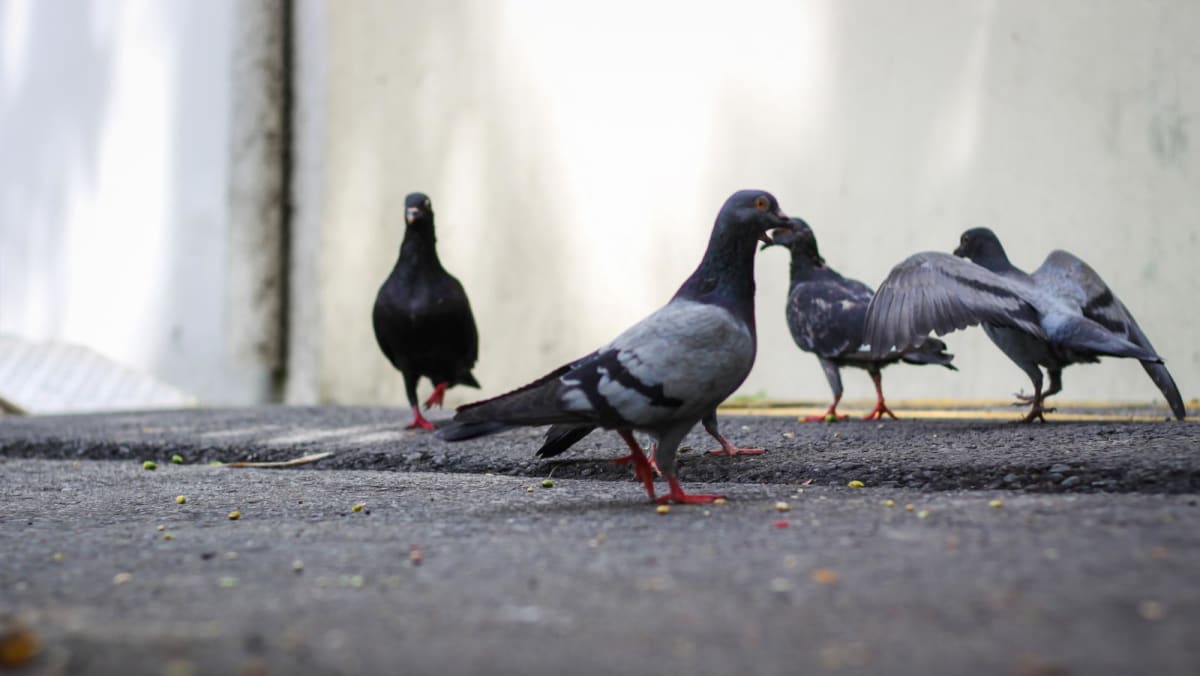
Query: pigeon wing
1071,278
933,291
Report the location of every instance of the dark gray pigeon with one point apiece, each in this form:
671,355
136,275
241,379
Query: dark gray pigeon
665,373
1060,315
423,322
827,316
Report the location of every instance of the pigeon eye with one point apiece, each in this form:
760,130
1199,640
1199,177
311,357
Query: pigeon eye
761,203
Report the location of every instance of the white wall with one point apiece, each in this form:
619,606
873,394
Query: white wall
576,155
116,166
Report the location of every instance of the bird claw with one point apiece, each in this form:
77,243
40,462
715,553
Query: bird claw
679,497
435,399
824,417
420,423
879,411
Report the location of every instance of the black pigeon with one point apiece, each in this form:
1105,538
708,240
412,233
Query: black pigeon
827,315
1060,315
423,321
665,373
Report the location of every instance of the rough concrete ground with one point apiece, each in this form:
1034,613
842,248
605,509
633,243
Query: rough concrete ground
1096,575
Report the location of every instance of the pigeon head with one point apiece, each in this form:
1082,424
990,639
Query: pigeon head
750,213
800,240
982,247
417,209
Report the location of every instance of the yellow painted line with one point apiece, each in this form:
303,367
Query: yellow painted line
945,414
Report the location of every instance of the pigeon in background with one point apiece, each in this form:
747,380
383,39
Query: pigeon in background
423,322
827,316
663,374
1060,315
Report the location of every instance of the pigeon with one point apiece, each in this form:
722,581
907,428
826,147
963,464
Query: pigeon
1060,315
666,372
827,314
423,321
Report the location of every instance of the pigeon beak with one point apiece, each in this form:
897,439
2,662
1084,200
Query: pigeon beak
784,224
410,214
958,251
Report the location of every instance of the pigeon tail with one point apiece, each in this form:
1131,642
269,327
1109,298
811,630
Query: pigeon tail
533,404
561,437
1166,384
464,431
1089,337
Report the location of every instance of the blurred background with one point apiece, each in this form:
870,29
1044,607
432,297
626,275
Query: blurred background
209,193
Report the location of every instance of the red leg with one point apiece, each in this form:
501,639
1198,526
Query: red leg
1038,411
641,466
626,459
678,496
419,421
727,448
435,399
831,412
880,407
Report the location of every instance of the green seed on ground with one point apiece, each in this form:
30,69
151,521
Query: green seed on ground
855,484
996,504
358,507
547,484
235,515
177,459
889,503
180,499
150,465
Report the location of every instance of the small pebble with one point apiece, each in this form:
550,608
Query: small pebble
235,515
855,484
150,465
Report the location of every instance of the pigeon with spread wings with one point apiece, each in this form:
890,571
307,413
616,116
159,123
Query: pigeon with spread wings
1060,315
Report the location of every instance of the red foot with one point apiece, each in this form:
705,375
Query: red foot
679,497
1037,413
825,416
644,468
880,409
435,399
419,421
727,448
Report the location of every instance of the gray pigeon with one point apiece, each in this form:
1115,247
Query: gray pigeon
665,373
827,314
1060,315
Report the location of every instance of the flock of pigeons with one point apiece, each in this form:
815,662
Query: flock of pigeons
671,370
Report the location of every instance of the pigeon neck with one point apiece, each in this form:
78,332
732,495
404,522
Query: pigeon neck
994,259
725,276
420,244
803,268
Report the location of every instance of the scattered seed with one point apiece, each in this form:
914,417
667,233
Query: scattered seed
663,509
825,576
358,507
215,463
168,536
529,489
837,435
889,503
829,417
228,582
122,578
150,465
720,501
996,504
909,507
924,513
231,555
789,435
180,499
547,483
855,484
781,584
1152,610
162,527
414,555
298,565
57,556
235,515
782,506
177,459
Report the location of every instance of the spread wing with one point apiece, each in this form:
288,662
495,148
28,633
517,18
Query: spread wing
933,291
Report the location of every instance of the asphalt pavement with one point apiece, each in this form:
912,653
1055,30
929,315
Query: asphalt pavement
974,546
